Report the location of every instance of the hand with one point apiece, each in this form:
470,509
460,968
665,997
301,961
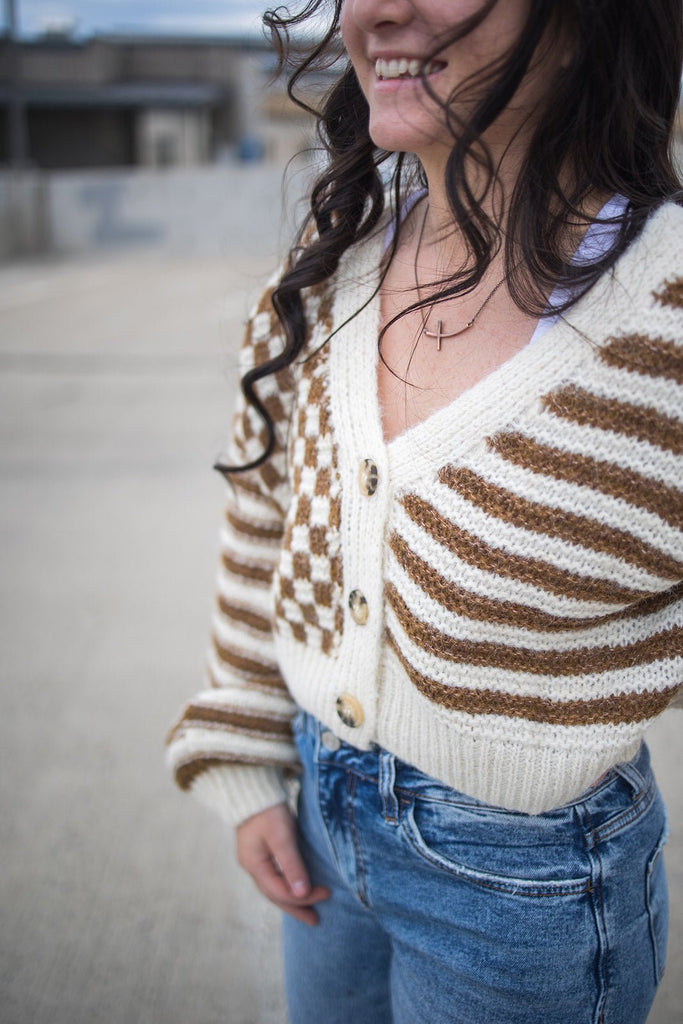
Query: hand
267,848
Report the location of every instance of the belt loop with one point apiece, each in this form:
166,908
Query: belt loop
387,779
635,778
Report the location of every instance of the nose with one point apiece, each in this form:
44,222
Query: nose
374,15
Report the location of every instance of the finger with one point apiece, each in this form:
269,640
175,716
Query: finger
273,886
285,851
271,836
305,912
307,915
271,882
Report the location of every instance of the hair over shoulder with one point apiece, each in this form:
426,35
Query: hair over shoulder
606,127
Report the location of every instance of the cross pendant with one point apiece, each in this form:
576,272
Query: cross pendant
439,333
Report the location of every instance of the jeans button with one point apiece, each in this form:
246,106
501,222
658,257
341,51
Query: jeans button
330,741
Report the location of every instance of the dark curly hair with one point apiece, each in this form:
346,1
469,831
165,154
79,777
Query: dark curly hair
606,127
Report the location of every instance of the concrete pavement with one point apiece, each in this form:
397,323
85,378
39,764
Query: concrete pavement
120,898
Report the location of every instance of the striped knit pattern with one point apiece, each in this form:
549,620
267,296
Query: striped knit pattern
521,559
243,718
280,564
553,573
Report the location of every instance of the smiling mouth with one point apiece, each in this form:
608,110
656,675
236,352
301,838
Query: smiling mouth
402,67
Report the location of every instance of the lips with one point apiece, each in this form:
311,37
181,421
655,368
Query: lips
405,67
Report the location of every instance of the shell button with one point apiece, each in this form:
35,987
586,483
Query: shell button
359,607
350,710
368,477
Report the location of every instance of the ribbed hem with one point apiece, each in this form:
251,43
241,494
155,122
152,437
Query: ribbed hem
524,766
237,792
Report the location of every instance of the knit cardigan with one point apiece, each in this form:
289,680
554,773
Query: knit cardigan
495,595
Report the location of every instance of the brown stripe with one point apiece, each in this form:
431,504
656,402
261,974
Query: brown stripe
238,613
474,606
528,570
186,773
267,685
235,719
263,531
644,423
617,709
252,571
246,483
661,646
252,429
242,663
270,475
605,477
554,522
671,293
652,357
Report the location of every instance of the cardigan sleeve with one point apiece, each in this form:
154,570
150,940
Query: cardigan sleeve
232,744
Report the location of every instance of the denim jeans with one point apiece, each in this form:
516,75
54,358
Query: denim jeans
445,909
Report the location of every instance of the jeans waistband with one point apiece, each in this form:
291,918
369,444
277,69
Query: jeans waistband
394,775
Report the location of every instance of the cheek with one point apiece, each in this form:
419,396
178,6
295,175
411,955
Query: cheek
353,44
349,32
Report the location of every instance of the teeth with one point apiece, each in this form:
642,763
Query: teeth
401,66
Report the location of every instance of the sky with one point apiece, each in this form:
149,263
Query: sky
197,17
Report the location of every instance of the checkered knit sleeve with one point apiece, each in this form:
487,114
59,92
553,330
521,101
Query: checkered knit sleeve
232,744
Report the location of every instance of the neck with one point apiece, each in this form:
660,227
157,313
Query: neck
439,226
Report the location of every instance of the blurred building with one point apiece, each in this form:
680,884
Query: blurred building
115,101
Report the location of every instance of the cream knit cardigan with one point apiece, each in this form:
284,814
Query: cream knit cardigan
495,595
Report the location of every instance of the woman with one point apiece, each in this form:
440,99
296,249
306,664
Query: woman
452,552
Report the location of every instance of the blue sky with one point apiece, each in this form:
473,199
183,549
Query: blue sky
203,17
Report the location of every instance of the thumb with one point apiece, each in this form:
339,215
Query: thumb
285,850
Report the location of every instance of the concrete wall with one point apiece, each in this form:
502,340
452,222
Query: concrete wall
25,228
227,208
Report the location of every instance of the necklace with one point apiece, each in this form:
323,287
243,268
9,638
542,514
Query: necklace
440,333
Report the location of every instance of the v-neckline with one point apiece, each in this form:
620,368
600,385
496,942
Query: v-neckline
477,412
613,206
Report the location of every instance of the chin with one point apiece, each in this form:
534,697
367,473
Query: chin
398,136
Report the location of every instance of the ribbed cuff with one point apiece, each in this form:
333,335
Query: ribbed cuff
236,792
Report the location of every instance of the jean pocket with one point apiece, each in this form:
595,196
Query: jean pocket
658,905
521,856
